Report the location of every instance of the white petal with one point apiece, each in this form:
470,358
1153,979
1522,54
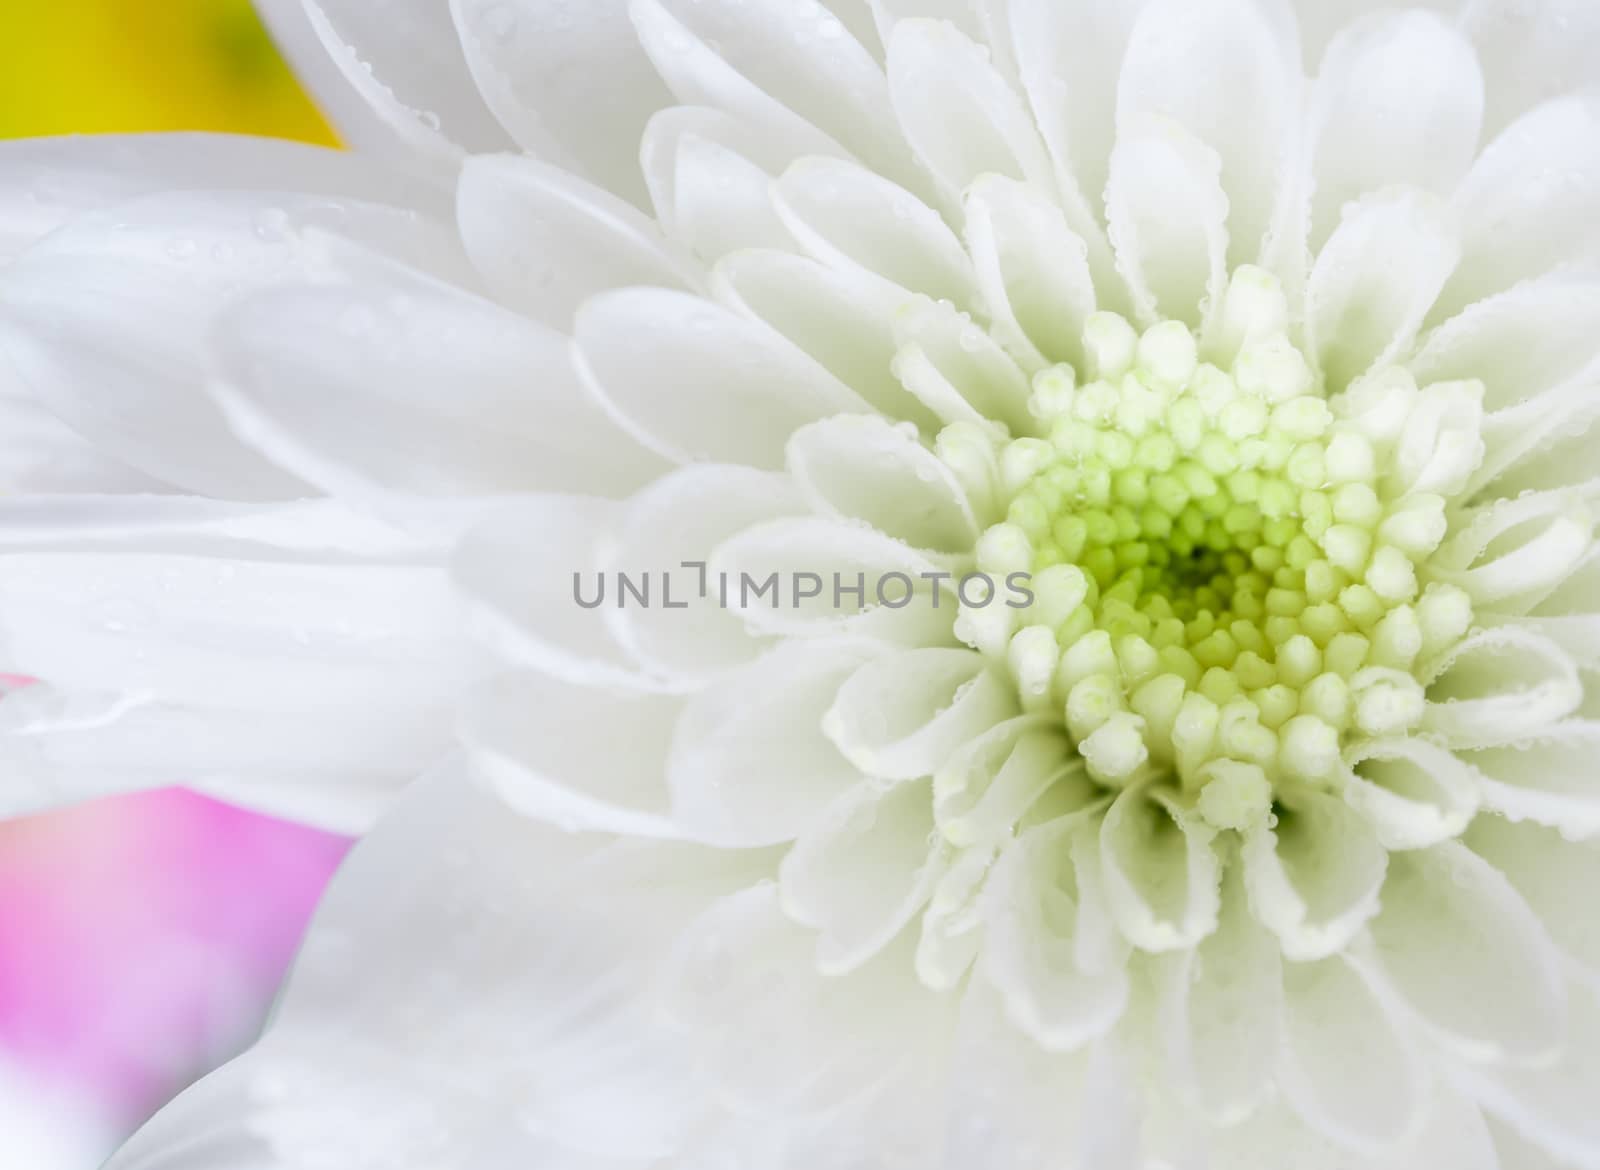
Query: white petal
865,468
1314,877
844,319
1033,271
1376,279
1161,872
1168,219
350,1072
46,182
236,620
554,750
775,1035
546,241
693,382
819,575
1070,56
1570,615
532,579
1520,343
750,764
1346,1070
570,84
958,112
1399,100
998,781
852,219
1513,229
336,769
1532,51
410,68
1413,792
1552,1107
683,631
102,320
900,716
862,871
1554,875
1030,910
355,405
39,454
1546,777
955,368
1013,1105
804,57
1514,553
1499,686
700,76
1244,110
710,182
1468,957
1222,1012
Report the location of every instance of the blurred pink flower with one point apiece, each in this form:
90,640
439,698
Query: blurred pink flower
142,938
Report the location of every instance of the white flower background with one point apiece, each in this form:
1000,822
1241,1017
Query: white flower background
1264,334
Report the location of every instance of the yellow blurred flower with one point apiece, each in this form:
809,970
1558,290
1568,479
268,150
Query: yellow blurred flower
96,66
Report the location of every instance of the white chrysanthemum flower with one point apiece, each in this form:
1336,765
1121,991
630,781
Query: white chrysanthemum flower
1256,836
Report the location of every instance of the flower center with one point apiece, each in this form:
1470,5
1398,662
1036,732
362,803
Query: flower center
1229,581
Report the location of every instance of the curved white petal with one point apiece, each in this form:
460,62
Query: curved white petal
957,111
47,182
338,769
570,83
819,575
865,468
1375,280
1513,229
1413,792
1244,111
767,1025
410,68
1032,269
900,716
710,181
1554,875
1030,910
448,897
956,369
1499,686
843,318
1468,957
1570,614
355,407
1399,100
533,580
545,241
552,749
807,59
854,219
1168,220
750,763
1346,1070
1552,1107
861,872
1532,51
1314,877
1161,872
169,601
681,628
103,317
1222,1005
1514,553
694,382
1070,57
1546,777
699,75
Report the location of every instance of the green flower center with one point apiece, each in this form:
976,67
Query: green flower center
1229,582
